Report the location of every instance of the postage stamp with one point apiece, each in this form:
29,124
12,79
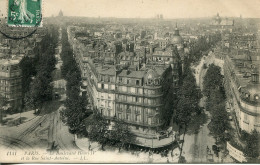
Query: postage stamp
24,13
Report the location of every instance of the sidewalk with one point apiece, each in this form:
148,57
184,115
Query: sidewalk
155,143
114,156
14,119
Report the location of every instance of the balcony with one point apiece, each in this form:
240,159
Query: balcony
138,103
138,94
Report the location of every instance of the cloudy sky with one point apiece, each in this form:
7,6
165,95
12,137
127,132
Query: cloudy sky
149,8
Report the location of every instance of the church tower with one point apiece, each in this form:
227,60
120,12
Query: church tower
60,13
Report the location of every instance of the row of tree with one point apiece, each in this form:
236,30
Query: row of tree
204,43
75,104
251,150
36,72
219,126
188,96
114,133
215,102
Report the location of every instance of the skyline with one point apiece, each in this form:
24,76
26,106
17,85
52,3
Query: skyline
170,9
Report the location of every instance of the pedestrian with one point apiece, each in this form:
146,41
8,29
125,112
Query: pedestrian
168,160
172,153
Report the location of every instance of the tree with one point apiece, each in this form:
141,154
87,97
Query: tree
219,121
75,112
40,87
212,80
252,146
97,129
121,133
189,97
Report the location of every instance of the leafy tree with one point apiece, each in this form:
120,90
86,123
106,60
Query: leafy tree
189,97
98,129
75,112
252,146
219,121
28,70
118,135
121,133
212,80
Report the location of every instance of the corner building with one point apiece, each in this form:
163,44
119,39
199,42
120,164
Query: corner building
11,82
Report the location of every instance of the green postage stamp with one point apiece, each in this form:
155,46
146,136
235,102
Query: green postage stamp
24,13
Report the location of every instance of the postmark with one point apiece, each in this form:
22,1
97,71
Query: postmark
16,27
24,13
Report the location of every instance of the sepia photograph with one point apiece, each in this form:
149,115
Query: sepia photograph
130,81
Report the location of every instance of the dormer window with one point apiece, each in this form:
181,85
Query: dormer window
256,97
156,82
150,81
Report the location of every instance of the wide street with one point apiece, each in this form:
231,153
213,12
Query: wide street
43,130
195,145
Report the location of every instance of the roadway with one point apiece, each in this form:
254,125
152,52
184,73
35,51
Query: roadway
42,130
195,145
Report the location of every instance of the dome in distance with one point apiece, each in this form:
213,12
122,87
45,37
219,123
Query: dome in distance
176,39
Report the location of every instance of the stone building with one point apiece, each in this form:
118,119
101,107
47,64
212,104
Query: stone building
11,82
241,75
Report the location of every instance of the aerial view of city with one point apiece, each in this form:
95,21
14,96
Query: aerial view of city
129,81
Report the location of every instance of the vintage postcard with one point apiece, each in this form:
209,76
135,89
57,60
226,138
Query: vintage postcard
129,81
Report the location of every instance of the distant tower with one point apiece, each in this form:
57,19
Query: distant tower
161,16
60,14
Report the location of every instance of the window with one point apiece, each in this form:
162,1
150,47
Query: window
132,90
120,79
119,116
150,81
140,91
149,111
137,82
149,121
137,118
127,117
128,81
102,86
108,112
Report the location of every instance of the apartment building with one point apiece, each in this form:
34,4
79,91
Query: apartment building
241,75
11,82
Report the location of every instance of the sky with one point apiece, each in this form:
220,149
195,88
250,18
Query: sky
149,8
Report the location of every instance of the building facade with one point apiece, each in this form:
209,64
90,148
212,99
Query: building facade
243,90
11,83
126,85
